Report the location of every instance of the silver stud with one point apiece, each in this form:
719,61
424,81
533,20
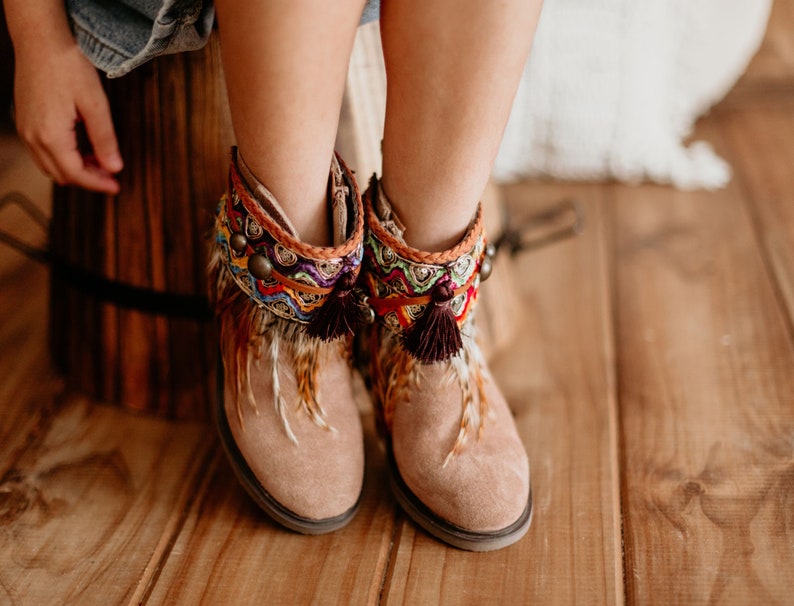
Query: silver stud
486,268
367,315
365,311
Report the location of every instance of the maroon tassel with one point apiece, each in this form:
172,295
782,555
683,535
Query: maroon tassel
434,336
339,315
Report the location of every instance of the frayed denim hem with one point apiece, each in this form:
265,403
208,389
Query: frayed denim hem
119,35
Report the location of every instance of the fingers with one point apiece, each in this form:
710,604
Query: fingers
81,171
61,159
99,127
54,102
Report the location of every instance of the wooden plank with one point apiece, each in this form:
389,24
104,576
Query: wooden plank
91,502
559,382
761,149
773,65
230,552
27,379
706,383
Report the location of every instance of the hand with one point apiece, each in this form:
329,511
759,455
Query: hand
56,92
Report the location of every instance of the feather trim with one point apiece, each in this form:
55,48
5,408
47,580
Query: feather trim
467,369
247,332
395,373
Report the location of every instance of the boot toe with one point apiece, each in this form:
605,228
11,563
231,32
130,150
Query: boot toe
485,488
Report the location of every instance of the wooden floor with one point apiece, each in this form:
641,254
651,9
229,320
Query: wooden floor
652,379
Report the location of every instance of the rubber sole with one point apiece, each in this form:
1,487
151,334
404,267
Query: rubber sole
257,492
448,532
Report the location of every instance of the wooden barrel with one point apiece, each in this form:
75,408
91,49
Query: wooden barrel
129,323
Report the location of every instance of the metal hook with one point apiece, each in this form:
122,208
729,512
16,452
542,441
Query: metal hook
516,239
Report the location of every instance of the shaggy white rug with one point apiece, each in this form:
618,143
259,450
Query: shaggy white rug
613,87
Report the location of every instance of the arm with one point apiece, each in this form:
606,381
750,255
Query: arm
55,88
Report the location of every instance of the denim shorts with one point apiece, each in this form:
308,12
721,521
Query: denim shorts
119,35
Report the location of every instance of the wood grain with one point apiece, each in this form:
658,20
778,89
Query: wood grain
558,380
706,381
87,503
766,180
230,552
174,132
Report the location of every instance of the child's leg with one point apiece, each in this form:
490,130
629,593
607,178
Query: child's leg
453,67
457,462
285,65
283,289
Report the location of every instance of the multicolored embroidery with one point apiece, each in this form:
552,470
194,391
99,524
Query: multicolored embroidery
425,297
400,289
289,278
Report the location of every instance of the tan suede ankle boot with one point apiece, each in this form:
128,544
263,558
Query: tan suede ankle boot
456,462
286,412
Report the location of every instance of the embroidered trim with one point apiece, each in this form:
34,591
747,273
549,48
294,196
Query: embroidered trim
299,277
273,317
399,280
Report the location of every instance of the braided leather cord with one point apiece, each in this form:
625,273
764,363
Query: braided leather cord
399,279
301,276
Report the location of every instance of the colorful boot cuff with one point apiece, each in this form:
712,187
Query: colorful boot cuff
424,297
307,284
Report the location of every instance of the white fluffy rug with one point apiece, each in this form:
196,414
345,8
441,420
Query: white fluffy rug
613,87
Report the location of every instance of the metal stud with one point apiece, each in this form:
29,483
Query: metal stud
485,269
367,315
238,242
487,263
365,311
259,266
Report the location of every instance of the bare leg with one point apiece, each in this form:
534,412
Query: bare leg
453,67
285,64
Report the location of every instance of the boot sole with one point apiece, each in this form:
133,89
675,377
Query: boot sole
448,532
254,488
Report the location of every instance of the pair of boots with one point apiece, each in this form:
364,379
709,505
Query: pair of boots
286,410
